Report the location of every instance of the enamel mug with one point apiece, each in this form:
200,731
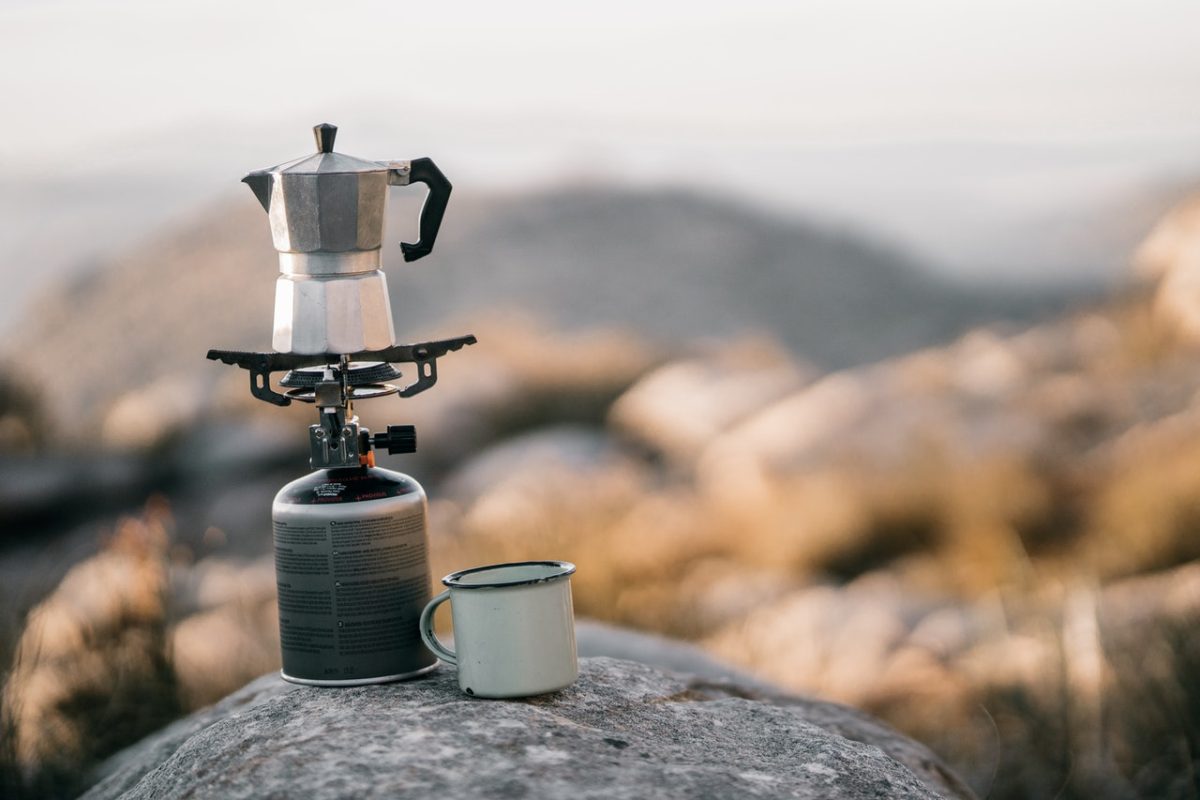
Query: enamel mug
514,628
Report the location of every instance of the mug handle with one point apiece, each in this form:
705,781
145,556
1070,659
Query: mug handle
429,637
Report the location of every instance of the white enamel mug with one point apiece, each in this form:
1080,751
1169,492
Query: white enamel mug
514,628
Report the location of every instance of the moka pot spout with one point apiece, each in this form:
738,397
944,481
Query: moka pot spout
260,182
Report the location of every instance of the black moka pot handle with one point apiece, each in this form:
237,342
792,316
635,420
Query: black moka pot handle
423,170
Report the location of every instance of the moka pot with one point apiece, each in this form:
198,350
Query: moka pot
327,212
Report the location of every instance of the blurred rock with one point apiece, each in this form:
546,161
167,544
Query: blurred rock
1013,688
229,446
622,730
798,430
35,489
51,491
517,492
226,629
956,398
531,457
214,582
600,639
1170,258
832,642
678,409
555,495
148,415
213,651
23,423
987,366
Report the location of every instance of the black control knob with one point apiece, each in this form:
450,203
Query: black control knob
398,439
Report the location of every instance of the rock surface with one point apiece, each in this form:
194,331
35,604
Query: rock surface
623,730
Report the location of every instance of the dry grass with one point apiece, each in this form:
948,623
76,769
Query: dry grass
92,668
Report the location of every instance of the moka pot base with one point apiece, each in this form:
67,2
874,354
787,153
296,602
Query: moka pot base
341,313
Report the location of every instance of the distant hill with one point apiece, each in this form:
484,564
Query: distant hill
679,265
670,265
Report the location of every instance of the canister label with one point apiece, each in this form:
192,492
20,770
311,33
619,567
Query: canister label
351,591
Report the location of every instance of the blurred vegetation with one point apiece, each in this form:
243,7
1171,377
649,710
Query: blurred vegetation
92,669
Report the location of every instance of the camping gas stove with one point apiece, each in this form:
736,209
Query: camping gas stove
351,547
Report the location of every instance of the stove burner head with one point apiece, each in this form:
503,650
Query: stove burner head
423,356
366,379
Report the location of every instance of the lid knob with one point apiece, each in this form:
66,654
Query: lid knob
325,134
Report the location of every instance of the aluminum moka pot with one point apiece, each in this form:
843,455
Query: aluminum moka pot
327,213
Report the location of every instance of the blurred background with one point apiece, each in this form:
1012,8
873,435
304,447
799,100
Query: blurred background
851,341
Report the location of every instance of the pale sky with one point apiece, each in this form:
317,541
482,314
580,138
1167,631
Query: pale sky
935,123
77,74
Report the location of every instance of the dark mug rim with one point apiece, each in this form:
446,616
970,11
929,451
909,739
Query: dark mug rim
566,568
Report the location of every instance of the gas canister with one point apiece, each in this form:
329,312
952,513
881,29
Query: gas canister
352,571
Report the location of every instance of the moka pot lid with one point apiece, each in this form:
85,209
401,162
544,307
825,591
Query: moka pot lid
325,161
